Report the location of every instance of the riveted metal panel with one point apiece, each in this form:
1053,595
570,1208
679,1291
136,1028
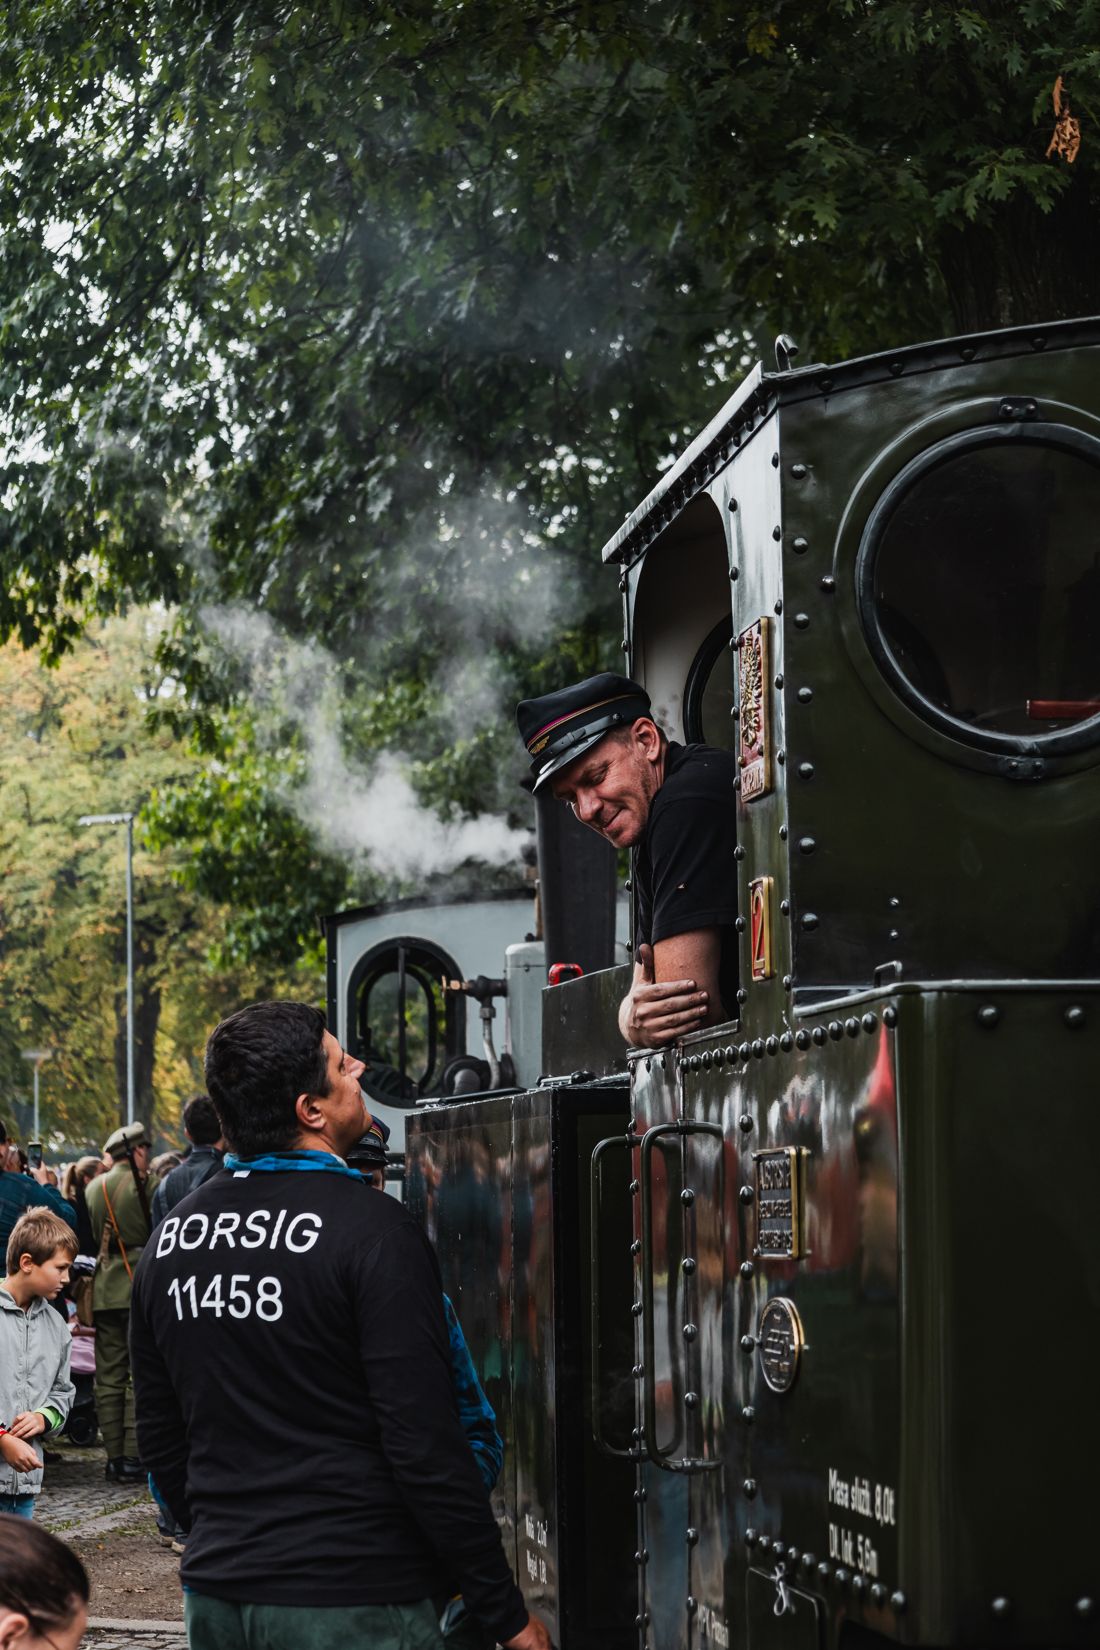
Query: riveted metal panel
905,830
1000,1136
802,1468
716,1173
663,1504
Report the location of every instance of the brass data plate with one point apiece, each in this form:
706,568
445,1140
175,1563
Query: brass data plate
754,712
781,1202
760,928
780,1340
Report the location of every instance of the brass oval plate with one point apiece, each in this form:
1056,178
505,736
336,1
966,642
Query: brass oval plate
780,1340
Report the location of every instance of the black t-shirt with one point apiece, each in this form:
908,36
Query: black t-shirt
295,1403
685,873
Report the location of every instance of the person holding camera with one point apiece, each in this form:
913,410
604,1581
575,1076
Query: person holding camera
18,1191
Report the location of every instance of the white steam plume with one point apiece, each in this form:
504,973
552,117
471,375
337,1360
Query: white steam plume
487,576
372,815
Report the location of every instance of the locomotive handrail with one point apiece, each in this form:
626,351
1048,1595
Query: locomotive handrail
682,1126
628,1140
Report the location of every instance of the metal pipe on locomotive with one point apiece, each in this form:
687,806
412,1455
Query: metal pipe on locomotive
791,1325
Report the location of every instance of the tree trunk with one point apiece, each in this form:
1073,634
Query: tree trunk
1024,266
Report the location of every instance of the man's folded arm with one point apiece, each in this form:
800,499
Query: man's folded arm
696,955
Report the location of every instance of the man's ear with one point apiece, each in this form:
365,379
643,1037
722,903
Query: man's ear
311,1119
30,1262
647,736
12,1629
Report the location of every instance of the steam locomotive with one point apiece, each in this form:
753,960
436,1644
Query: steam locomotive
791,1326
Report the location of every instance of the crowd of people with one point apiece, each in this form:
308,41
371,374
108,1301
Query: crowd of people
273,1346
269,1341
106,1206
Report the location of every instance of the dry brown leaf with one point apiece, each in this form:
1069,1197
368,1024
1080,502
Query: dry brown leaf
1066,140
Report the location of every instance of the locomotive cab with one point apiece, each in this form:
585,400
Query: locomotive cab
839,1303
841,1255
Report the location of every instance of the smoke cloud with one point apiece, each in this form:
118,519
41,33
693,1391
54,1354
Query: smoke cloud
366,814
489,577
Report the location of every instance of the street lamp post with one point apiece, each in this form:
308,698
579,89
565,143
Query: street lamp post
37,1055
128,821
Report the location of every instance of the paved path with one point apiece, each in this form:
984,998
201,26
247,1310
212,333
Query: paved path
79,1504
76,1499
134,1635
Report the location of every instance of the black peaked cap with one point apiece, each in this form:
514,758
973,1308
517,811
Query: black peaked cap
558,727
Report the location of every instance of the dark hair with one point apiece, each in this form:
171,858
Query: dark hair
257,1064
40,1577
201,1121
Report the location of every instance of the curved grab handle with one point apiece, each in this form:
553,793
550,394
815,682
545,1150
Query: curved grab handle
595,1370
683,1126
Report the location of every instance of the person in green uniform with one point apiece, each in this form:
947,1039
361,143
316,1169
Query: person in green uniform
118,1208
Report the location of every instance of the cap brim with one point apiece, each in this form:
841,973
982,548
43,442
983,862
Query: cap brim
565,759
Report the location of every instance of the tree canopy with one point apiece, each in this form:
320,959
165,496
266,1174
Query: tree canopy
375,320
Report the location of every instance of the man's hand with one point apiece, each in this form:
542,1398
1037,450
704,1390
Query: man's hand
654,1014
44,1176
533,1637
28,1424
18,1454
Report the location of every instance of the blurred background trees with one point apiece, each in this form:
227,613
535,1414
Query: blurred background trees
374,321
77,740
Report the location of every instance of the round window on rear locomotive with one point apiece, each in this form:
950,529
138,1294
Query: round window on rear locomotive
979,587
402,1024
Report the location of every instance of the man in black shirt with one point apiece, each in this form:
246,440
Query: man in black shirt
293,1378
203,1129
597,746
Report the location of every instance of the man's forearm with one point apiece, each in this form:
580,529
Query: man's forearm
656,1010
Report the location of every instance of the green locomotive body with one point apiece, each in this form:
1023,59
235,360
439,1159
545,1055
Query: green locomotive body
850,1234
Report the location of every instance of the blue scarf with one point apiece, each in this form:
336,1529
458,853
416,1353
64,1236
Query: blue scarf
273,1162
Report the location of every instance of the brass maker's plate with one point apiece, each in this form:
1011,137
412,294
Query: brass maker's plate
780,1339
781,1202
754,711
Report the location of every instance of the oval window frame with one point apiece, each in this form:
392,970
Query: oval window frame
454,1032
1083,736
710,650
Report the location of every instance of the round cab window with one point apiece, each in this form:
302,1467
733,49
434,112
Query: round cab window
708,693
405,1027
979,587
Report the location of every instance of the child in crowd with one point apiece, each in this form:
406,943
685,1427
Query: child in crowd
35,1389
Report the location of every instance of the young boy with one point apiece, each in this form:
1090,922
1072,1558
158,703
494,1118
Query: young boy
35,1390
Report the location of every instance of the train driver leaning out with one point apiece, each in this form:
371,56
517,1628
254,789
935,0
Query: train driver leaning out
598,748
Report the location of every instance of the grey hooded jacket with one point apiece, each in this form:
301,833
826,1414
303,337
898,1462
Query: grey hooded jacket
35,1347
